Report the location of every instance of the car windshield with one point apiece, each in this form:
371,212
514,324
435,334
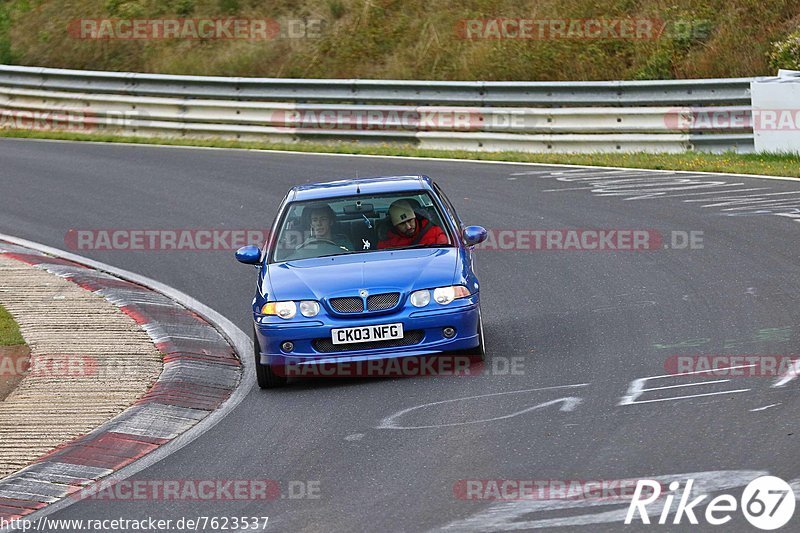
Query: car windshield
360,224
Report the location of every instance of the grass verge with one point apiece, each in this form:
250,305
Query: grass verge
730,162
13,353
9,331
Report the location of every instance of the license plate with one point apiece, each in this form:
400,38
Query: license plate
380,332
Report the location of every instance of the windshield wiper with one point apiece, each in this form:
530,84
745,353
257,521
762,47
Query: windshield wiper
421,246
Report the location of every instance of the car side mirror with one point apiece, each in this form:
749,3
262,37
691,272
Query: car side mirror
474,235
249,255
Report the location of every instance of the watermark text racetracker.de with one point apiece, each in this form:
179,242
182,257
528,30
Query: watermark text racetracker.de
127,239
519,239
741,365
67,119
38,120
449,365
226,28
594,240
544,489
138,490
399,119
551,29
732,119
16,361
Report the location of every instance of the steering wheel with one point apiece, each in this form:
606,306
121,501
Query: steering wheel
317,241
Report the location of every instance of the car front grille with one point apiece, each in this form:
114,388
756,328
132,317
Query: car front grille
327,346
351,304
379,302
375,302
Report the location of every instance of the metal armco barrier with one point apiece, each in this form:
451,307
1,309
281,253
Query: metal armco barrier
614,116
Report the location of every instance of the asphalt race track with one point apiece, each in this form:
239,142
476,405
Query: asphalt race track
583,325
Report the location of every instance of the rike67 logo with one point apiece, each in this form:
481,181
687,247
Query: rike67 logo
767,503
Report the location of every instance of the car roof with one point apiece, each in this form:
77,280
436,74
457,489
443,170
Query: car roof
349,187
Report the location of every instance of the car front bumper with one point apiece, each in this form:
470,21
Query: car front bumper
426,324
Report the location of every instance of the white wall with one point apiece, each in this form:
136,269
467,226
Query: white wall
776,112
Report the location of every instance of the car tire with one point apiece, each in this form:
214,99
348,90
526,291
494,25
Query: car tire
479,352
266,377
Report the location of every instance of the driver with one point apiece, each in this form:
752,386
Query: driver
410,229
321,219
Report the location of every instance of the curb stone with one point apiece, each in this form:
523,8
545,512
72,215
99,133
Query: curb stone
201,371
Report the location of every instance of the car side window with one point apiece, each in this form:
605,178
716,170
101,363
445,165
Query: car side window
448,205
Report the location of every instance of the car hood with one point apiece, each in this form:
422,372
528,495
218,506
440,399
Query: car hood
380,271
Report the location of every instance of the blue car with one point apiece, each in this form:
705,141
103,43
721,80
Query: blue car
364,271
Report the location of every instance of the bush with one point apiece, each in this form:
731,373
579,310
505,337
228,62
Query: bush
411,39
5,42
786,53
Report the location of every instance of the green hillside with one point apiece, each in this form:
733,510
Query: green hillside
417,39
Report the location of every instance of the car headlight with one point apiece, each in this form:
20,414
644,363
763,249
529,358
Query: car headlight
284,310
309,308
445,295
420,298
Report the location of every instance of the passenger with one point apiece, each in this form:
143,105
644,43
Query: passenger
410,229
321,219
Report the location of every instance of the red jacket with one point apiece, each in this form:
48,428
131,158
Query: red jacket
434,235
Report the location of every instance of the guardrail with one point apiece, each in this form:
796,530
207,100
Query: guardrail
673,115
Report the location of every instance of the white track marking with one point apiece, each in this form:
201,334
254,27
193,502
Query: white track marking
795,484
569,404
790,375
637,388
643,186
734,391
746,198
699,371
532,173
687,385
768,206
763,408
601,171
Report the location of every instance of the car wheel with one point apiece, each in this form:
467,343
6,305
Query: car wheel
479,352
266,377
